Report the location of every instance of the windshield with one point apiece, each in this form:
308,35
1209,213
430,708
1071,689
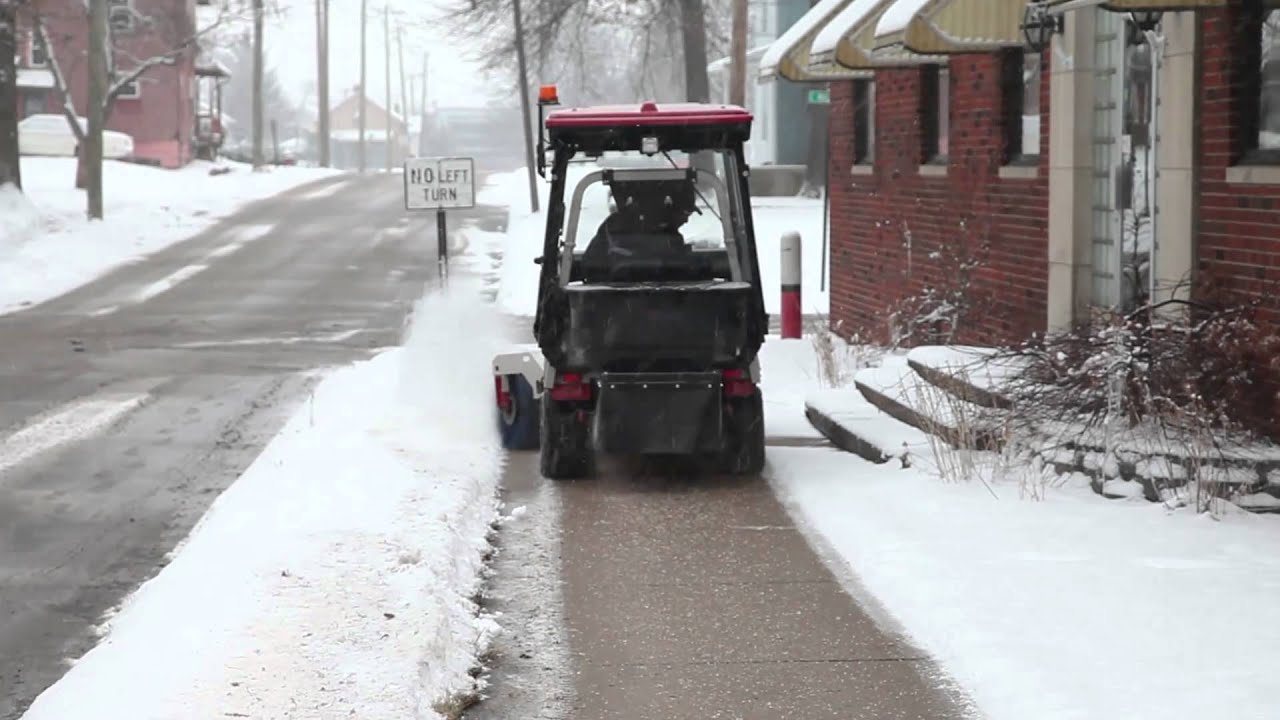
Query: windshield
629,209
703,229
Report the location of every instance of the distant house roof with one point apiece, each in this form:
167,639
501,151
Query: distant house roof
212,68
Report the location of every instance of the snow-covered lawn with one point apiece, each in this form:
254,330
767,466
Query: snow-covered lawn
773,216
334,578
1068,607
48,247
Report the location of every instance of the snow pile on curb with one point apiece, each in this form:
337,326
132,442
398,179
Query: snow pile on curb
19,221
336,577
147,210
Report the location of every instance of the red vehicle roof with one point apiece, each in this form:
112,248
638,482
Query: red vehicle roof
649,113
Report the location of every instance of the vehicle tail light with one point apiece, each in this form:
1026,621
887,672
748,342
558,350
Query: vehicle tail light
737,383
502,392
571,387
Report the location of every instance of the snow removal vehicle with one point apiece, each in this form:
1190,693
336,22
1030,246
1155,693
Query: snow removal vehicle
650,313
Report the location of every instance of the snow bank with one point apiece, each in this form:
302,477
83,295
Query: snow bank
19,222
147,209
1072,607
334,578
773,218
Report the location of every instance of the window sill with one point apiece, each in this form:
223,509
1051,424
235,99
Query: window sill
1019,172
862,170
1254,175
932,170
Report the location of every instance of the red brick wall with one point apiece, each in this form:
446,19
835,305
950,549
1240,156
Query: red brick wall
162,120
1238,238
895,232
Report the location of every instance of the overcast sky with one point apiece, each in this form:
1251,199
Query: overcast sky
453,79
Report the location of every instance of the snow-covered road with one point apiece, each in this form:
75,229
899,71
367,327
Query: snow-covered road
48,247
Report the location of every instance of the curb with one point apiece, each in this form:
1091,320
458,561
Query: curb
840,436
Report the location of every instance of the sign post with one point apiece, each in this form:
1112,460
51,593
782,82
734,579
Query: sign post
440,184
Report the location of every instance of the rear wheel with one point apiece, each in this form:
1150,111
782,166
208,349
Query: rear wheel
518,420
744,436
566,451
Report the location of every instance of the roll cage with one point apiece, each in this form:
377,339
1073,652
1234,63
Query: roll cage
691,129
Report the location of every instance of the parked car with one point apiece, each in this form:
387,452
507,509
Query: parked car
49,134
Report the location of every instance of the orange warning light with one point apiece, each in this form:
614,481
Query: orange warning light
547,95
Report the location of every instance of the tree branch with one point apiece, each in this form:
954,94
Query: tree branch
59,80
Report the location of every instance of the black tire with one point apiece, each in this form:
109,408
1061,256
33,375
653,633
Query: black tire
744,436
519,425
566,452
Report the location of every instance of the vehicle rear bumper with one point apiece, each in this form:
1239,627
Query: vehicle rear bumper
660,413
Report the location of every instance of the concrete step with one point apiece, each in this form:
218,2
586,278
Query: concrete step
968,372
901,393
854,425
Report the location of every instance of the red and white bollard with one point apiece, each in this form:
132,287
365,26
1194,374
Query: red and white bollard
791,285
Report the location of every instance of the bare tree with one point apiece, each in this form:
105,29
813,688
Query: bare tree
10,159
259,20
576,43
99,79
167,38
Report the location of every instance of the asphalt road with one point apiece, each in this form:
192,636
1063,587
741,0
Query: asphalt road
129,404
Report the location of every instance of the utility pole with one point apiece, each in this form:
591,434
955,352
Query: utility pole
322,84
524,108
738,55
258,22
404,87
364,95
386,49
91,153
426,64
413,95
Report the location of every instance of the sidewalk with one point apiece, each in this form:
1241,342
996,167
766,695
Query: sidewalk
1067,606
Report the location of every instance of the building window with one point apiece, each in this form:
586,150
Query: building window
864,122
39,53
1269,84
120,15
1256,84
936,110
129,91
1021,87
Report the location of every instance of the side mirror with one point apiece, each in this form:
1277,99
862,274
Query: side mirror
537,260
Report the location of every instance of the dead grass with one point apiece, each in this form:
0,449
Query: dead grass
839,359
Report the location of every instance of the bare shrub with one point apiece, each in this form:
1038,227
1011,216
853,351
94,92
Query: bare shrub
946,301
955,430
1151,366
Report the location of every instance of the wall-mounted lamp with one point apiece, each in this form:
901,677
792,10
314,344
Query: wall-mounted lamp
1039,25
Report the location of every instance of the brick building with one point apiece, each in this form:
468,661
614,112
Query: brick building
1025,186
159,109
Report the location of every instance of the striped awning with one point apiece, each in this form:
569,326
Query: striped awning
1127,5
949,26
788,56
847,41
